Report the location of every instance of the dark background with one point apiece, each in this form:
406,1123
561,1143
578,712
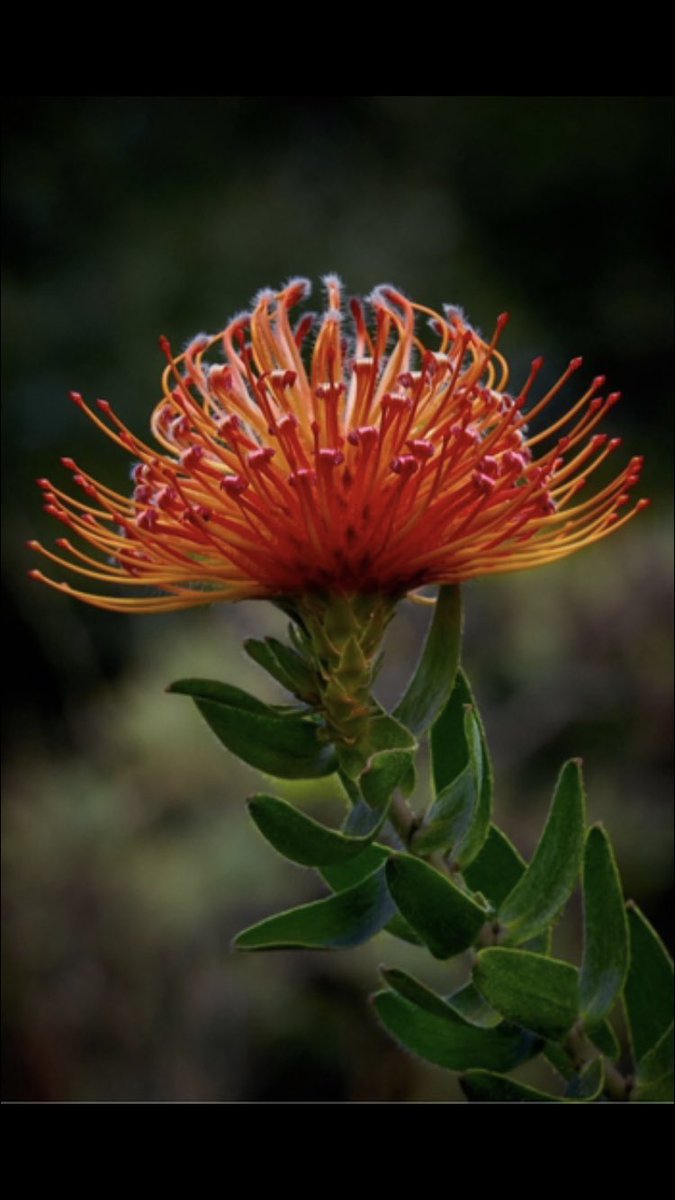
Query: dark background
129,860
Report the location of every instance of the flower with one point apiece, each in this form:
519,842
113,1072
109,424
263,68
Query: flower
374,464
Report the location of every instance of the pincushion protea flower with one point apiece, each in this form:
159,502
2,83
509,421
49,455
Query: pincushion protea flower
374,465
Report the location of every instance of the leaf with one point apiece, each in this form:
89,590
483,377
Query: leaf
605,959
417,993
497,869
340,876
285,665
489,1087
347,874
346,919
399,928
648,992
588,1085
460,817
655,1072
284,744
449,749
432,682
382,777
449,1041
603,1036
450,815
470,1005
542,892
446,919
299,837
538,993
384,733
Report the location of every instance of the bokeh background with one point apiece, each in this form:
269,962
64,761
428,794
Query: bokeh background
129,860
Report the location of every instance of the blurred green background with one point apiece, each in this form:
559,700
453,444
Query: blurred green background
129,860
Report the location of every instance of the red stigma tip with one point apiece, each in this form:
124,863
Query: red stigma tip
33,545
537,363
104,405
164,345
615,442
76,399
44,483
69,463
35,574
502,320
575,363
643,504
598,382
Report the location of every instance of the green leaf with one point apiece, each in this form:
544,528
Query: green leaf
448,1041
285,665
433,679
284,744
489,1087
460,816
470,1005
446,919
417,993
399,928
560,1059
538,993
655,1072
340,876
381,778
497,869
648,992
478,828
588,1085
384,733
346,919
449,816
603,1036
605,960
542,892
299,837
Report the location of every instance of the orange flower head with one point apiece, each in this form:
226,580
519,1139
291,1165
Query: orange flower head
374,464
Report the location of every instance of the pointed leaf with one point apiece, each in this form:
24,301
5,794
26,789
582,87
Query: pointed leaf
489,1087
399,928
299,837
432,682
449,749
417,993
448,1041
340,876
470,1005
603,1036
382,776
346,919
384,733
284,744
538,993
655,1072
460,817
542,892
478,828
605,960
648,993
497,869
446,919
285,665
